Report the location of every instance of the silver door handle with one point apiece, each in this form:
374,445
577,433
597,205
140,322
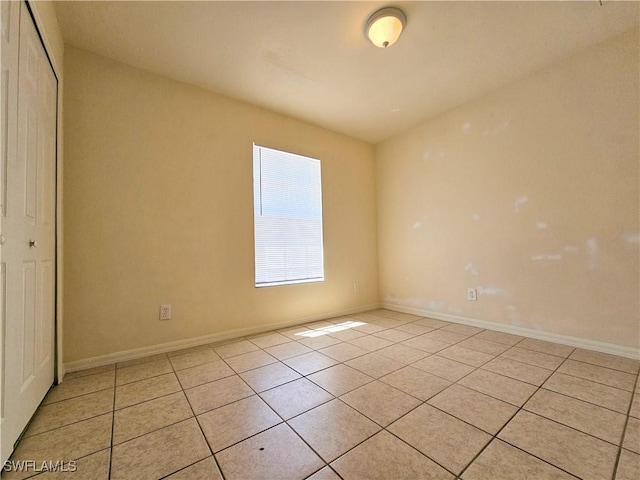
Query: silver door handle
33,243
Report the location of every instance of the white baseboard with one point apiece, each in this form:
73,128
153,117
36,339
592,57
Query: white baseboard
612,348
125,355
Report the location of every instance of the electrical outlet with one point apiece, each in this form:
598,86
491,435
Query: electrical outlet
165,312
356,287
472,294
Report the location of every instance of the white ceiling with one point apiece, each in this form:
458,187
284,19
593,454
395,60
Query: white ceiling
312,61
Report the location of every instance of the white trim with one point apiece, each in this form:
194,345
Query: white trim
203,340
290,282
612,348
45,35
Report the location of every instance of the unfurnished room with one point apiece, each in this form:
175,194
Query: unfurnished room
323,240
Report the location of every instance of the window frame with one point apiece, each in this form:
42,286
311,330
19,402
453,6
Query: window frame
320,279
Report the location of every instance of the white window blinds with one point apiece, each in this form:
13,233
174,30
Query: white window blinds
287,199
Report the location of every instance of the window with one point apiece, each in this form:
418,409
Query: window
287,212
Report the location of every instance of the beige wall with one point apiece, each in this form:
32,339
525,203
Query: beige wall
529,194
158,209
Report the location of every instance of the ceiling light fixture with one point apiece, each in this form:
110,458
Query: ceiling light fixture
385,26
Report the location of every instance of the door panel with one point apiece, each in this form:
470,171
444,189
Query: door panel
28,228
6,78
47,215
27,320
9,21
29,162
45,317
3,313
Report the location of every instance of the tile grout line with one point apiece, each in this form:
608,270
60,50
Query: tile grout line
506,423
429,353
624,429
69,424
340,363
286,421
562,373
182,469
581,400
467,374
384,428
258,394
414,448
234,340
385,328
422,402
113,422
595,381
331,469
396,343
539,458
538,387
601,365
381,427
283,421
327,464
541,387
153,431
282,361
76,396
565,425
495,436
148,400
195,417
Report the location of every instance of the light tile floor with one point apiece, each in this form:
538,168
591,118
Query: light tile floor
378,395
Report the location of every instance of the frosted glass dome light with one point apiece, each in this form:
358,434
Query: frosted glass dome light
385,26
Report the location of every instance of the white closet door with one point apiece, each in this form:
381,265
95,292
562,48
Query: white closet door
28,229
